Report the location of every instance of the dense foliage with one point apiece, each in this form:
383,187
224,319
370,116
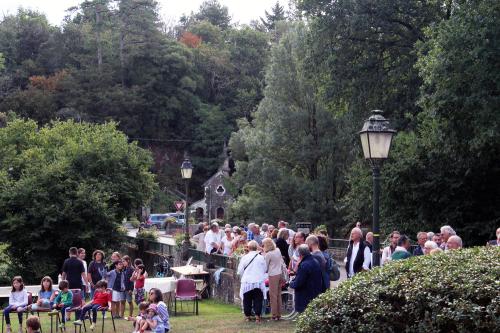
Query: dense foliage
174,90
447,292
432,66
66,184
291,90
446,170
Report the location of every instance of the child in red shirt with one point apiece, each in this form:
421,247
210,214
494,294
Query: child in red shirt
102,299
139,276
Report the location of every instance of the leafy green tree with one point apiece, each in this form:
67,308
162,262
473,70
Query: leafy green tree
66,184
277,14
290,169
364,57
446,171
215,13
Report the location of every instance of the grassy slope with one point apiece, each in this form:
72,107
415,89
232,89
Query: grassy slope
213,318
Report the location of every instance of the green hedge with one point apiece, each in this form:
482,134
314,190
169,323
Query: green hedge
447,292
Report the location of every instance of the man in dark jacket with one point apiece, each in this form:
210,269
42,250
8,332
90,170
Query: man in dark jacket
309,280
421,239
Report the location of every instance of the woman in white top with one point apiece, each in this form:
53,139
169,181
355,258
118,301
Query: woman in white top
227,241
252,269
274,262
200,239
389,250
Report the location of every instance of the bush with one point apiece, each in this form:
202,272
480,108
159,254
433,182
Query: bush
446,292
149,234
134,222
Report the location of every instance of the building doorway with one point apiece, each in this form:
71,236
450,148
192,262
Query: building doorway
220,213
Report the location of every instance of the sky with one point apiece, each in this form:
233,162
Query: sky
242,11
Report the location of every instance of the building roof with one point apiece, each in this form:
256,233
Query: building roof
217,174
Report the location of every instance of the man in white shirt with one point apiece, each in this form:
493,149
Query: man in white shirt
213,239
389,250
85,282
358,254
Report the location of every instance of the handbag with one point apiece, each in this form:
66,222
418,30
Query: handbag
335,271
284,274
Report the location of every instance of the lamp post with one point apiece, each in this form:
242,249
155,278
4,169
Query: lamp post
376,137
186,172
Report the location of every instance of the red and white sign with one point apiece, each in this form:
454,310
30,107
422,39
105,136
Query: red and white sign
179,205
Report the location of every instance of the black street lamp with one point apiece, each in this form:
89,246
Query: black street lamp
186,172
376,137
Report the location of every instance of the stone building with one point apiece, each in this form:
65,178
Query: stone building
217,198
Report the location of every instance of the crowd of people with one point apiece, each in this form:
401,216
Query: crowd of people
109,286
269,257
271,254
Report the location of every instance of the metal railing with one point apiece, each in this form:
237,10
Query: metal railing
218,260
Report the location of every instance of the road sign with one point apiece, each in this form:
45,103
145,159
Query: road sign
179,205
305,227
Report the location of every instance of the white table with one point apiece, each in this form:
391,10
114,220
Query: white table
5,291
165,284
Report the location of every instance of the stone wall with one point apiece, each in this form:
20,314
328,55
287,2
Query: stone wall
228,288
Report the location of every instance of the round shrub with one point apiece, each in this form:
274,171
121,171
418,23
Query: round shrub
449,292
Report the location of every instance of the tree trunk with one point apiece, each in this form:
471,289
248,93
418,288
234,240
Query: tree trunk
98,36
122,56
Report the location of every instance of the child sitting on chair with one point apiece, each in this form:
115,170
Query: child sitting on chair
46,296
102,299
63,301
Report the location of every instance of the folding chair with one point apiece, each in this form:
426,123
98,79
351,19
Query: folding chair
47,310
186,291
103,311
30,301
76,307
51,314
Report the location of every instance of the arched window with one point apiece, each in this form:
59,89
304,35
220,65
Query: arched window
220,190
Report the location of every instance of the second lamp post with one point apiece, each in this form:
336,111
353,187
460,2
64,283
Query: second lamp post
376,137
186,172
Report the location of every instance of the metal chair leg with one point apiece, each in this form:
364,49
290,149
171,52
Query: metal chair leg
113,321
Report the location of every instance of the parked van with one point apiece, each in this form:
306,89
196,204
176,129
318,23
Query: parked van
181,219
157,220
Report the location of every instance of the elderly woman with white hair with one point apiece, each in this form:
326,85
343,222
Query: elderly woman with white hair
252,269
429,246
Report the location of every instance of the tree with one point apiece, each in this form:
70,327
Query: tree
446,170
364,57
213,12
66,184
290,167
277,14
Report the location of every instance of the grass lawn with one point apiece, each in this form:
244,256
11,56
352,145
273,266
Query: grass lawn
213,318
